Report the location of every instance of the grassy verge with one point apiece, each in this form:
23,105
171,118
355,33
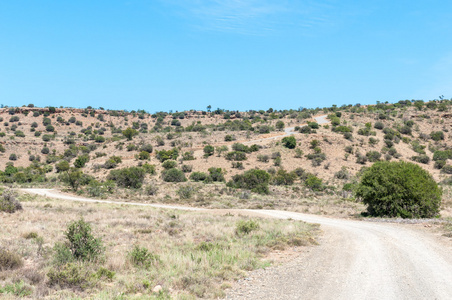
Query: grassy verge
153,253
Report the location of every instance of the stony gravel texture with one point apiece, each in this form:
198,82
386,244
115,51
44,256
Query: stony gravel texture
357,260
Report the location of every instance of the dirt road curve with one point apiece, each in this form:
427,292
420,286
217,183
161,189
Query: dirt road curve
355,260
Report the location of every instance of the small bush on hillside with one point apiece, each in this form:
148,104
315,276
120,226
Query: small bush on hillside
186,168
379,125
305,129
342,174
442,155
314,183
81,161
169,164
256,180
263,158
129,133
9,203
185,192
447,169
167,154
132,177
146,147
236,156
283,177
437,135
198,176
62,166
209,150
289,142
423,159
399,189
373,156
173,175
9,260
143,155
216,174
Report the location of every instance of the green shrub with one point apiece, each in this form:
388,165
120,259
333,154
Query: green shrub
9,203
167,154
19,289
129,133
342,174
256,180
313,125
185,192
173,175
209,150
188,156
198,176
263,158
61,254
289,142
399,189
216,174
169,164
305,129
82,244
143,155
283,177
442,155
131,177
423,159
437,135
314,183
236,156
141,257
379,125
186,168
149,169
373,156
62,166
246,227
81,161
146,147
9,260
71,275
447,169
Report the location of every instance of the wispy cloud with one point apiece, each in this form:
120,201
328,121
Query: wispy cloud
255,16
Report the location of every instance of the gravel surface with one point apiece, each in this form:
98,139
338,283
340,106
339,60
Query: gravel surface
355,260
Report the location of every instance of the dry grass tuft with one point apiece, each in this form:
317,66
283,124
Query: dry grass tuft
191,255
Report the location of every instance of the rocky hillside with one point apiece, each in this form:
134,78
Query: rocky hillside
296,154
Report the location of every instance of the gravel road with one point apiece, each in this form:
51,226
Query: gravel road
355,260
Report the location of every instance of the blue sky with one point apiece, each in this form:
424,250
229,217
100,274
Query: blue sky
234,54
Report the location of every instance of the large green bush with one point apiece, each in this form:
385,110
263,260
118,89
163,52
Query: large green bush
289,142
399,189
256,180
132,177
173,175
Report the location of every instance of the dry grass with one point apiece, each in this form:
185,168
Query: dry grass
197,254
